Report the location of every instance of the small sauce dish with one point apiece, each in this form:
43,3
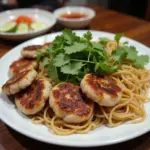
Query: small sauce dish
74,17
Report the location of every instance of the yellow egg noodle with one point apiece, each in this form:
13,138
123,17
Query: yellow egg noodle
134,83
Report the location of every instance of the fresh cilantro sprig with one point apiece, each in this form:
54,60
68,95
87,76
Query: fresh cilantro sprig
71,57
103,41
117,37
129,55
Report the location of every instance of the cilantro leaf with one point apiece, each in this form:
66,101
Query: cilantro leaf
104,67
96,67
94,59
141,60
88,36
71,57
131,52
69,36
40,54
58,44
126,42
118,37
114,68
49,49
97,46
119,54
52,72
58,41
60,60
72,68
103,41
45,62
76,47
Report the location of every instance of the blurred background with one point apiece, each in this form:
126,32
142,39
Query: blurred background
138,8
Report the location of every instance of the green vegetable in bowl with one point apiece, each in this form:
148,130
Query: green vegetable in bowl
37,26
22,28
8,27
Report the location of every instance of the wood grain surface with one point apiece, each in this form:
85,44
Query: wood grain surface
105,20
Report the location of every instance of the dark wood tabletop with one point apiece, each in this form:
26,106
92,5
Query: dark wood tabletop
105,20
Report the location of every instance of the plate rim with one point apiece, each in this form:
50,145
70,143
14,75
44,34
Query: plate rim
62,142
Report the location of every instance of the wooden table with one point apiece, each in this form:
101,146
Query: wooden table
105,20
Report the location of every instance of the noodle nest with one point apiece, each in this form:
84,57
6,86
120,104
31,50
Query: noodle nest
134,83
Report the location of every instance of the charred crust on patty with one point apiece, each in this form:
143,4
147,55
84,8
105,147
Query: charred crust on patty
107,85
32,47
22,64
70,99
32,100
15,78
32,95
19,82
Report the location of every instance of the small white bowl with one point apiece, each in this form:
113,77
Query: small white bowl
40,15
75,23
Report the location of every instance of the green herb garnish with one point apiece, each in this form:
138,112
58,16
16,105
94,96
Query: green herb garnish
71,57
130,54
117,37
103,41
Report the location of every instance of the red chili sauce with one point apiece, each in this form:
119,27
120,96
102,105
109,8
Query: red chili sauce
73,15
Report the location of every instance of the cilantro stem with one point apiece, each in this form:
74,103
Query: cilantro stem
89,55
91,62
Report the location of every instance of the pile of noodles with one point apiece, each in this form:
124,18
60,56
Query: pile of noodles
134,83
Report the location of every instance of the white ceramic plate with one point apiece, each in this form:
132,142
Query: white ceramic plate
100,136
40,15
